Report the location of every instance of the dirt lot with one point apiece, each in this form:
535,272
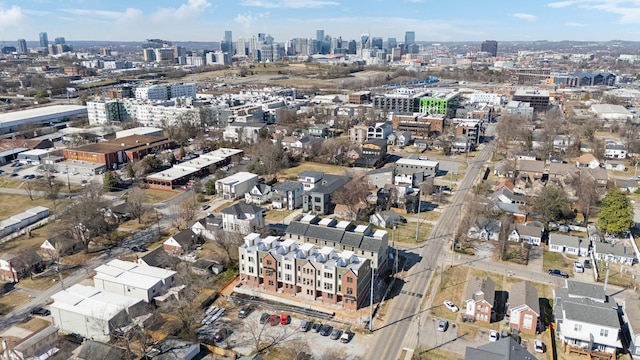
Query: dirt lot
452,287
292,173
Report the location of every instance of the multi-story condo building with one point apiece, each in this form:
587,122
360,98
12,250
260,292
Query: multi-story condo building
358,133
306,271
491,47
402,101
343,235
441,102
166,92
485,98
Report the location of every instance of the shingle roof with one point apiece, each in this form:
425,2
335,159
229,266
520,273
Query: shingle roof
297,228
523,293
564,240
481,289
352,239
242,208
531,230
580,289
287,186
590,312
330,183
531,166
370,244
97,350
324,233
504,349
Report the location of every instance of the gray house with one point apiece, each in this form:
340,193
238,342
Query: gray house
506,348
287,195
318,200
381,177
631,318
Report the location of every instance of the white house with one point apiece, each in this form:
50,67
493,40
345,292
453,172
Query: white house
619,253
568,244
527,233
588,161
485,229
586,317
235,186
616,165
242,218
287,195
259,194
207,227
133,280
480,301
93,313
613,150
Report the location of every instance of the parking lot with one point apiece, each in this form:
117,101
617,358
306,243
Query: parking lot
244,334
25,171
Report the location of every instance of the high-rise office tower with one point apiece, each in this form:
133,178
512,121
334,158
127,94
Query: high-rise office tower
227,43
409,39
392,43
60,41
241,47
319,35
228,36
376,42
490,46
22,46
44,40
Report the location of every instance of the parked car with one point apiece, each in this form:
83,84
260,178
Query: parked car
325,330
539,346
347,336
305,326
451,306
40,311
315,327
556,272
274,320
443,325
75,338
285,319
587,264
220,335
494,336
205,207
245,311
139,249
577,267
335,334
264,317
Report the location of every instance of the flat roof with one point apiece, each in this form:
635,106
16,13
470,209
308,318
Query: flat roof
41,111
125,143
93,302
141,130
223,153
238,177
36,152
172,174
426,163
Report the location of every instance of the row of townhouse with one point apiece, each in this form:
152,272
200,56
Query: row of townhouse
306,271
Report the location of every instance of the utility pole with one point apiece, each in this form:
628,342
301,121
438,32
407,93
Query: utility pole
68,183
606,275
418,221
393,240
371,300
418,335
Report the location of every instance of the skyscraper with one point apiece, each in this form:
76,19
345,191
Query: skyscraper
22,46
44,40
228,36
319,35
376,42
490,46
392,43
60,40
409,39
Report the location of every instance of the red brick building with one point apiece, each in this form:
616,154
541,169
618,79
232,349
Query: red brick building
119,151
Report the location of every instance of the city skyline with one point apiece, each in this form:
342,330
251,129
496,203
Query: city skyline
206,20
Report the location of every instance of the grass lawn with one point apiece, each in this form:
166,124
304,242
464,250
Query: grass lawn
406,233
554,260
452,285
156,196
430,216
292,173
42,283
9,183
10,301
435,354
617,275
20,203
496,277
24,242
148,220
277,215
34,324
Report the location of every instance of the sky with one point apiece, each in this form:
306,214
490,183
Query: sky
435,21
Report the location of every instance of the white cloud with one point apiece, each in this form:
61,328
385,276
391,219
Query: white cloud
189,10
527,17
628,10
11,16
291,4
574,24
247,20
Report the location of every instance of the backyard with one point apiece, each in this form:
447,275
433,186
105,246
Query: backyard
555,260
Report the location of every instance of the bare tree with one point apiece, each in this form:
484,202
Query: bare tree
189,207
263,338
83,218
50,186
228,242
353,194
136,203
29,188
427,186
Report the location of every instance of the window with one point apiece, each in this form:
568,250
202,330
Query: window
577,327
242,256
350,280
287,266
328,275
329,296
251,269
328,286
268,262
287,277
270,282
349,291
604,332
527,321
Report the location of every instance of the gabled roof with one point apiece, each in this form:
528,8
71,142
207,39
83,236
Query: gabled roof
598,174
531,166
329,184
481,289
523,293
287,186
186,238
530,230
561,169
565,240
240,209
586,159
159,258
96,350
506,348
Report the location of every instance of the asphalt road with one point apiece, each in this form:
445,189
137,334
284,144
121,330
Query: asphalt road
400,327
